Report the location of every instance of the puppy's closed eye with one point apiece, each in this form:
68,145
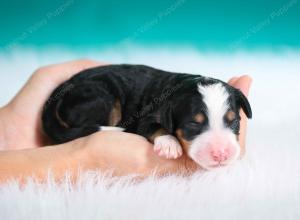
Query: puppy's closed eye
193,124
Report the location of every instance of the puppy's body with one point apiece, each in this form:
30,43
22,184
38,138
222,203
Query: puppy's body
166,108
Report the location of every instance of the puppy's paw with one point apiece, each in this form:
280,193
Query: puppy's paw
167,146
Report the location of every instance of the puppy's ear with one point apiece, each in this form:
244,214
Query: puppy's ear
243,102
166,118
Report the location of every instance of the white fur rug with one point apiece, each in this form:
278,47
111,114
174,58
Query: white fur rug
264,185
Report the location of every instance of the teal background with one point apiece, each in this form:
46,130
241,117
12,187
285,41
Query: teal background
202,24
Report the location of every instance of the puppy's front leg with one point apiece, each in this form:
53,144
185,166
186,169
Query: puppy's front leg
166,145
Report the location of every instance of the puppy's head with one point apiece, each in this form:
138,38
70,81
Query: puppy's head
208,123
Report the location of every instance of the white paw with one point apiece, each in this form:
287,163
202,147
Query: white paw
167,146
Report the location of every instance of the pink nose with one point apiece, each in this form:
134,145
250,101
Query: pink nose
219,155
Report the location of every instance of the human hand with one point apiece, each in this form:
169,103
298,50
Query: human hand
20,119
125,153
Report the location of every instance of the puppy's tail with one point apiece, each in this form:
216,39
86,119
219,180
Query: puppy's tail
54,126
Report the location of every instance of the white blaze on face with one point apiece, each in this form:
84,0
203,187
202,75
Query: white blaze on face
217,146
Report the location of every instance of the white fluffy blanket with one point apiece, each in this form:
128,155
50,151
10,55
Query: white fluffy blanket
264,185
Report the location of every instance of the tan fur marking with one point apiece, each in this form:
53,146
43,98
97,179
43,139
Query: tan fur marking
184,143
159,132
199,118
230,115
115,114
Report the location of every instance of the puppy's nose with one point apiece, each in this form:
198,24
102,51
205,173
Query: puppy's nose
220,155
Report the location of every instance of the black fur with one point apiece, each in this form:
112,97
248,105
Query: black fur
150,99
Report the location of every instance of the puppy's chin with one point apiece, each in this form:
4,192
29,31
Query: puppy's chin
211,150
211,166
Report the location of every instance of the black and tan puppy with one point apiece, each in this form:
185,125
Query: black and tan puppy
176,112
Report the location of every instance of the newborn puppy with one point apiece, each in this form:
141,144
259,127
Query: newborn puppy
176,112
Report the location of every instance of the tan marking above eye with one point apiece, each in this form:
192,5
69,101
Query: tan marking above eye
230,115
199,118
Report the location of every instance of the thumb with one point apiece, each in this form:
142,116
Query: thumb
243,83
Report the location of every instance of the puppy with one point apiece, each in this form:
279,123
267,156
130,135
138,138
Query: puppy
177,112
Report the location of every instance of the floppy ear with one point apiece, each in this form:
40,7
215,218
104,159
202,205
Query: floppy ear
243,102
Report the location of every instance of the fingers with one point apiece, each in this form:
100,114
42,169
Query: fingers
71,68
243,83
233,80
